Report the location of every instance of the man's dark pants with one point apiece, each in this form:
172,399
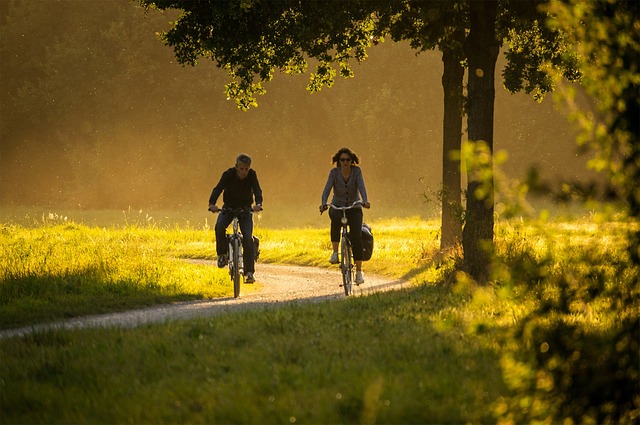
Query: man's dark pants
245,220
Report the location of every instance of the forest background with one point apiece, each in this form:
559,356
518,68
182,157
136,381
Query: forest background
96,114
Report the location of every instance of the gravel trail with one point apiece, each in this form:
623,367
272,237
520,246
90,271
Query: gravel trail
278,284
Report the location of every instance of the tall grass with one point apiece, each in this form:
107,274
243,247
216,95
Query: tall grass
402,246
62,270
443,351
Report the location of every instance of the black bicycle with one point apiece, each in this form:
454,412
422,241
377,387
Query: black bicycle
347,264
234,253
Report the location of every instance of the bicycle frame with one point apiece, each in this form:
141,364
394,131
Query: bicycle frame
236,266
234,239
347,264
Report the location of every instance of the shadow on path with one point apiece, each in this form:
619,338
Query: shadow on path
278,285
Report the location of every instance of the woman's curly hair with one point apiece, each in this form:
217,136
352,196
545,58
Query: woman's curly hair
354,157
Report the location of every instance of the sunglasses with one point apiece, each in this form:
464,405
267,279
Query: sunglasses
345,159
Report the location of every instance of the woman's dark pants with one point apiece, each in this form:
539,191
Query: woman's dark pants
354,218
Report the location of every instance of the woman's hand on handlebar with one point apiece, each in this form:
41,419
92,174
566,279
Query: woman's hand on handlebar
257,208
214,208
323,208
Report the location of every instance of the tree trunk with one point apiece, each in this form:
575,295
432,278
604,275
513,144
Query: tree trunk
482,52
452,79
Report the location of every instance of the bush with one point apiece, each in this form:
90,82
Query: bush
576,356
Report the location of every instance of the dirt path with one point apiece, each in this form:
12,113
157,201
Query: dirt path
278,284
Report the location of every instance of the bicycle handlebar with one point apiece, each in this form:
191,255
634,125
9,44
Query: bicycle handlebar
354,205
238,210
335,207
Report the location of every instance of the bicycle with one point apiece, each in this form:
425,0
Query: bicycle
234,253
347,264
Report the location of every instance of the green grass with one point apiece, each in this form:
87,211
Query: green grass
401,246
384,359
63,269
442,351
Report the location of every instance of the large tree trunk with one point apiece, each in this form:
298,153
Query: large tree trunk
452,79
482,52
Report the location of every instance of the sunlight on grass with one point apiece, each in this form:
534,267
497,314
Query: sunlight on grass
60,262
444,349
58,266
402,247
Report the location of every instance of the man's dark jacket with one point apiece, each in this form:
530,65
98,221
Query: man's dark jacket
237,193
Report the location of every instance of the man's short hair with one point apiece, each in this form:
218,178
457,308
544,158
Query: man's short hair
244,158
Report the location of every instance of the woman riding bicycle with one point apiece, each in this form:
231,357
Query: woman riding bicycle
348,186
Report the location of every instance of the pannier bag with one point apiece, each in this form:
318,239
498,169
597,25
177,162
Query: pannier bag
256,245
367,242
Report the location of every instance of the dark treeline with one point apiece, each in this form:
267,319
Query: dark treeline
95,113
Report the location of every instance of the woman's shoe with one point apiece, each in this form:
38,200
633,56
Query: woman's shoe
359,278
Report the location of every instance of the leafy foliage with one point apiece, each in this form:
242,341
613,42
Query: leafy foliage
578,354
607,35
576,371
251,40
254,39
530,50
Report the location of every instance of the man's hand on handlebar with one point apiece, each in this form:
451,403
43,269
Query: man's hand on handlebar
215,208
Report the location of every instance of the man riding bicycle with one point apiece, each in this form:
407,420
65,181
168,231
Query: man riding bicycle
240,186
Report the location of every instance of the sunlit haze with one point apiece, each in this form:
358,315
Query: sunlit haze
97,114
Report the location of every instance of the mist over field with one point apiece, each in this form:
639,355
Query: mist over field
96,114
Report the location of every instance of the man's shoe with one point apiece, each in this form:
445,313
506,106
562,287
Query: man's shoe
334,258
222,261
249,278
359,278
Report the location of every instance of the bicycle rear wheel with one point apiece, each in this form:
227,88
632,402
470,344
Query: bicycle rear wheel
347,266
235,274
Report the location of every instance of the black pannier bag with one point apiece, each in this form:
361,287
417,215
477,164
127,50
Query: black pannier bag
367,242
256,247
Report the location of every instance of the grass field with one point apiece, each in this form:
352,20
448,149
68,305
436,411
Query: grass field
443,351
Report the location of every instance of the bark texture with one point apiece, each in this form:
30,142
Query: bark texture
482,52
452,79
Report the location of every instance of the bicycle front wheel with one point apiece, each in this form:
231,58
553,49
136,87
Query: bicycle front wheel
346,266
235,275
